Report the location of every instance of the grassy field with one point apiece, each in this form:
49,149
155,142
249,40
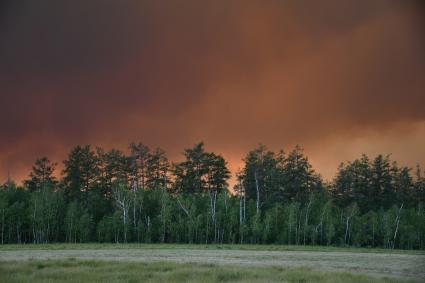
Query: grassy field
99,271
206,263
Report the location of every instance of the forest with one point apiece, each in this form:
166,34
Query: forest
139,196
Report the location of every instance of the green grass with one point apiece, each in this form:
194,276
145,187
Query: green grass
72,270
65,246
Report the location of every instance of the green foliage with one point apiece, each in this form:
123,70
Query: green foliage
201,171
109,196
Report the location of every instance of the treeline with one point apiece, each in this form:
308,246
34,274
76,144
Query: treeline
140,196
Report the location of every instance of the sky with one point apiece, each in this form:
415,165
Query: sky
340,78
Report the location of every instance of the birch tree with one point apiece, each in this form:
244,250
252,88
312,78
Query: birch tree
122,202
350,213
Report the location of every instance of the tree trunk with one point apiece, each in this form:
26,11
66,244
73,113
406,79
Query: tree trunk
2,227
33,223
347,224
240,211
244,207
125,224
215,220
134,209
397,224
164,223
258,192
306,217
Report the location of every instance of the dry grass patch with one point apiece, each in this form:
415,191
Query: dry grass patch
100,271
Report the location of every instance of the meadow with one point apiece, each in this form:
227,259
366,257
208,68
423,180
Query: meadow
206,263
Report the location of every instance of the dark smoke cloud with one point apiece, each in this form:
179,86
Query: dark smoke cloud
231,73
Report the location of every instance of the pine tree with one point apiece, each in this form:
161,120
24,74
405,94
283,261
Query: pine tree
41,176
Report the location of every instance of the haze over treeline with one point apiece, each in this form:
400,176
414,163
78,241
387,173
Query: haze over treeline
340,77
141,196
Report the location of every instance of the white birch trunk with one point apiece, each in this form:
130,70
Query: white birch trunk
397,224
258,192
